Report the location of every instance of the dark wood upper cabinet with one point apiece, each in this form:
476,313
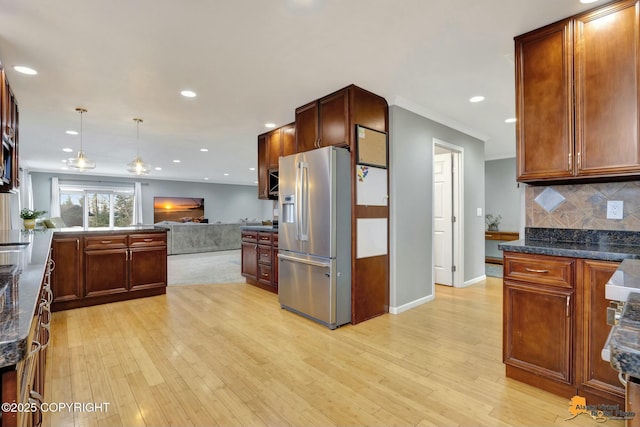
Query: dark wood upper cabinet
271,146
331,119
9,120
606,90
544,103
577,97
307,127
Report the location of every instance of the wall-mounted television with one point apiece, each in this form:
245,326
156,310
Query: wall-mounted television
178,209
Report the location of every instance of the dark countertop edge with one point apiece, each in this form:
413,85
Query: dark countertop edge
260,228
606,253
14,350
115,230
624,346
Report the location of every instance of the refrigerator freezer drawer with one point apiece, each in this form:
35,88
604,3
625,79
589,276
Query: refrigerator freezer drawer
308,287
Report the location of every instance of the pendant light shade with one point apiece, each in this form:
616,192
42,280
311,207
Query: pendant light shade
81,162
138,166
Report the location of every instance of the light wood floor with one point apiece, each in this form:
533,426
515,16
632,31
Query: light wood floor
228,355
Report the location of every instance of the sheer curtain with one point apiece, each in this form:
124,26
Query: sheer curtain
137,203
55,197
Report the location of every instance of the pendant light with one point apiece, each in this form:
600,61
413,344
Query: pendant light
138,166
81,162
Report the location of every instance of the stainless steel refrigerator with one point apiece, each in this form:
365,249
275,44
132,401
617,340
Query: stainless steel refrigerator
314,235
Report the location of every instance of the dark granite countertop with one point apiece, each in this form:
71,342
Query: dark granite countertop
592,244
624,340
23,260
112,230
269,228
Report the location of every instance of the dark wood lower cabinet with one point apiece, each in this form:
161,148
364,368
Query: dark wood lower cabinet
260,258
596,379
66,277
105,272
554,326
100,267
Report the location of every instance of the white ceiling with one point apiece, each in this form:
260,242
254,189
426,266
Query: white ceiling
250,62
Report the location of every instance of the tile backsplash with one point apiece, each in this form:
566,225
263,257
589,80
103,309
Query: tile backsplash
583,206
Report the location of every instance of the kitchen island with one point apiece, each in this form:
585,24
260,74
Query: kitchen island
25,298
554,309
97,266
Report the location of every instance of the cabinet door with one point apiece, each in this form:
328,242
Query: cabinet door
105,271
334,119
288,140
606,85
544,103
66,279
249,256
147,267
307,127
263,169
538,331
274,269
274,148
593,374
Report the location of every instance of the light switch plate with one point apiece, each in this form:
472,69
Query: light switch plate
479,212
615,209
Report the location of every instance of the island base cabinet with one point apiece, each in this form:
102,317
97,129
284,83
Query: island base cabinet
538,335
105,272
66,279
148,268
99,267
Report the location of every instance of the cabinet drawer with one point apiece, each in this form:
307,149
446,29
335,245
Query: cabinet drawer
250,236
265,238
264,254
148,239
105,242
540,269
264,273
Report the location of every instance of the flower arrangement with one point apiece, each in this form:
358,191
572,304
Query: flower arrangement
30,213
493,221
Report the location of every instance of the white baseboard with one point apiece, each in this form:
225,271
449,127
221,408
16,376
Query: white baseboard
474,281
410,305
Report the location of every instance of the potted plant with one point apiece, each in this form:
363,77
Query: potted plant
493,221
29,217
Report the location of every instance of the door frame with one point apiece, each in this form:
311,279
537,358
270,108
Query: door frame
458,210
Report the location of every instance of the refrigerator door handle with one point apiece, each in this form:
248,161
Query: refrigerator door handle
304,201
304,261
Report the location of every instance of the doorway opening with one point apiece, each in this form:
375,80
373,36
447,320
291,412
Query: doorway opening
448,221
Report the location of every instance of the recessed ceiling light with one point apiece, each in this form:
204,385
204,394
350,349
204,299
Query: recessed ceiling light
67,150
206,179
255,182
510,120
188,94
252,169
270,125
25,70
176,161
72,132
204,150
64,160
158,168
478,98
64,168
225,174
588,1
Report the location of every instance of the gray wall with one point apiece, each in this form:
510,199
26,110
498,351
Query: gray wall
222,202
411,176
502,195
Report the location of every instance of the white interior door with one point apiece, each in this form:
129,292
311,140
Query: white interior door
442,219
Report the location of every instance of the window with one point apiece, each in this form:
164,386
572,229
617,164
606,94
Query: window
96,206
